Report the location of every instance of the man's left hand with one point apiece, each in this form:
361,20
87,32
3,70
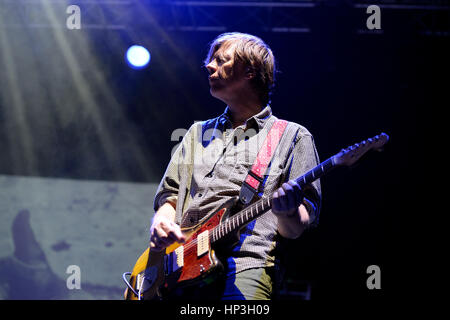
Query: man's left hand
287,199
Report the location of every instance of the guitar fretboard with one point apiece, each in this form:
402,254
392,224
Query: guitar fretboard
261,206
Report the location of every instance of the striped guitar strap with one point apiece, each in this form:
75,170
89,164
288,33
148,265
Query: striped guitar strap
254,182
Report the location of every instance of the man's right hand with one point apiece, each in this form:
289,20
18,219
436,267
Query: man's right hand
164,232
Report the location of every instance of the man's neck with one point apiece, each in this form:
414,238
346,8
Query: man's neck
241,112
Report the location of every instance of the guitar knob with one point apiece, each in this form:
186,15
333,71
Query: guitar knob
202,268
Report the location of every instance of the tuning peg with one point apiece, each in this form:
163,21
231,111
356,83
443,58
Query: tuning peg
384,135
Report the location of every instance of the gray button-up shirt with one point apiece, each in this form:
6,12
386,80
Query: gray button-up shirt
212,161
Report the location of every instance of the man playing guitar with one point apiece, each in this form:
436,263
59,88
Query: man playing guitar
214,159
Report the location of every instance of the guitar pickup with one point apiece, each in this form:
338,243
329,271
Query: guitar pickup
202,243
174,260
178,258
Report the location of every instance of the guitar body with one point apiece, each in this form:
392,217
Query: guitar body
155,274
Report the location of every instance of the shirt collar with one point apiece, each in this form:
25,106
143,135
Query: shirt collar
256,121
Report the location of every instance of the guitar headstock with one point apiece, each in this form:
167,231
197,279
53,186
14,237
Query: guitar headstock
348,156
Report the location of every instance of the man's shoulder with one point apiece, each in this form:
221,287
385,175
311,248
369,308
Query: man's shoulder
298,130
200,124
198,128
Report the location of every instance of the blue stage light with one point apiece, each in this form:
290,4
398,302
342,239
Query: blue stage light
138,57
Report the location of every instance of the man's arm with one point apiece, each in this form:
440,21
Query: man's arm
292,210
164,231
181,159
297,209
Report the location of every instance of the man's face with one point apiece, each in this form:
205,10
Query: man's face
226,75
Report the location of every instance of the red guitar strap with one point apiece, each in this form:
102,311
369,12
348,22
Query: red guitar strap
253,183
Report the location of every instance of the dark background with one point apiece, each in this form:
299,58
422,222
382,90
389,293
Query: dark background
341,81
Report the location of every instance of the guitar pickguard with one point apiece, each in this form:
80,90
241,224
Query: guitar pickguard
199,258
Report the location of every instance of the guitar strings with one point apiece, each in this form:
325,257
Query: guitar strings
193,243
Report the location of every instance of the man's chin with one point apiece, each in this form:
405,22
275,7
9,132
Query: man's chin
215,92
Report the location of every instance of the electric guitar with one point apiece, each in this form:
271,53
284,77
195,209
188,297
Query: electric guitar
157,273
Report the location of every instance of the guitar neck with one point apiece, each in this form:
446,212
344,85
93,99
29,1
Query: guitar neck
261,206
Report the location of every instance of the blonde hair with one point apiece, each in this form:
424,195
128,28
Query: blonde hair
255,54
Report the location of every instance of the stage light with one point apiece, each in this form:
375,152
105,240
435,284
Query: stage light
138,57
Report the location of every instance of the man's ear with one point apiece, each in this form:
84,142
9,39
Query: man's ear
249,73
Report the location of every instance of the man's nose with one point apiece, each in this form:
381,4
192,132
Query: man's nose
211,67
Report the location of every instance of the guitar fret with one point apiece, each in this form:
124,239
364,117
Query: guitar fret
318,171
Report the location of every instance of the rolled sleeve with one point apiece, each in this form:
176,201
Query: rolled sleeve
169,187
